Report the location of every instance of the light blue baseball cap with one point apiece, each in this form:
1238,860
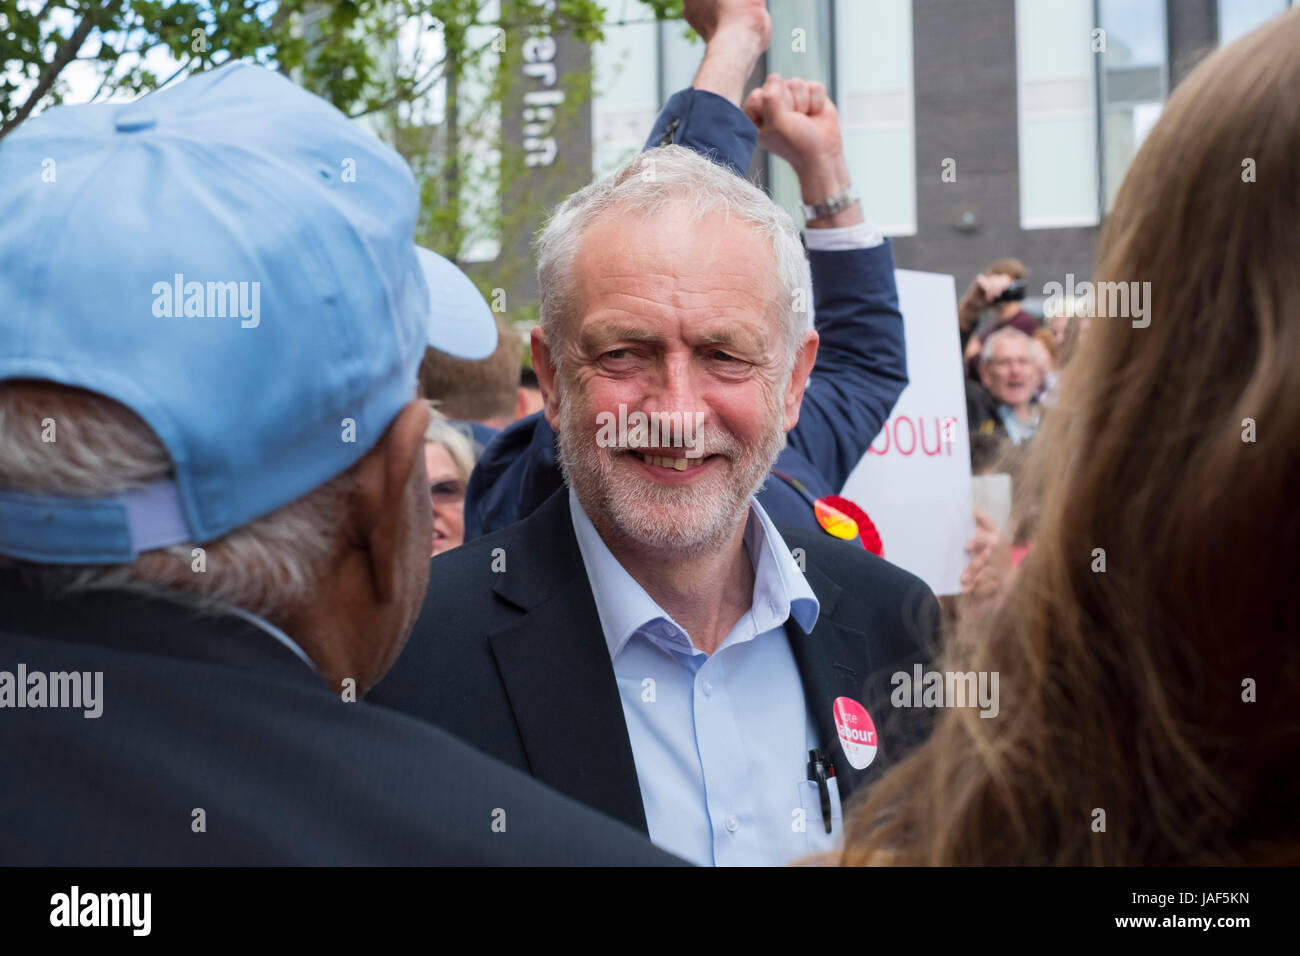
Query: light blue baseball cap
232,259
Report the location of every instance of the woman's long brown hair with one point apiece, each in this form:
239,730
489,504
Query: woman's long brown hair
1127,691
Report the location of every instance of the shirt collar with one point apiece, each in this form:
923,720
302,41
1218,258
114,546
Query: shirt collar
1017,430
269,628
780,589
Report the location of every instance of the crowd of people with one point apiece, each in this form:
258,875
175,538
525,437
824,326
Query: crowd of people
632,650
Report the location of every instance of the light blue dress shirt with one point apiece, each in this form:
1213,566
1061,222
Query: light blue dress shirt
720,742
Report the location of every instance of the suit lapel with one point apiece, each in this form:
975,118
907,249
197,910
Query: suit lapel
833,662
557,673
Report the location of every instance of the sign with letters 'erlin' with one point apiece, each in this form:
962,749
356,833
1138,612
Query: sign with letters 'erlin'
914,481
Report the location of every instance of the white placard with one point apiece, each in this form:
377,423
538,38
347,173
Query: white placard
914,482
992,495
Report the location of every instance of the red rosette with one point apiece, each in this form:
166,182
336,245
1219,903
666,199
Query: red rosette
867,532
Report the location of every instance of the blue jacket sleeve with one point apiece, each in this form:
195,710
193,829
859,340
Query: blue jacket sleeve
861,361
708,124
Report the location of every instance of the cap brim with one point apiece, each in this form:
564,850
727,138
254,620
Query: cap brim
460,322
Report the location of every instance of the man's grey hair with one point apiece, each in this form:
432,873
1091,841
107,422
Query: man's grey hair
270,566
1009,334
650,183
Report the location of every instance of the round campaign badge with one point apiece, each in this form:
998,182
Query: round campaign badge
857,732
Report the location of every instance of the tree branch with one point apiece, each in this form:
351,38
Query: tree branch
65,55
179,70
413,93
108,75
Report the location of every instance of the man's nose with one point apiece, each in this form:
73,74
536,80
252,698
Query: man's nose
675,389
675,397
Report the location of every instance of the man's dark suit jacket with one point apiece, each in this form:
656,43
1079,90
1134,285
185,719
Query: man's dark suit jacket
860,372
514,661
213,713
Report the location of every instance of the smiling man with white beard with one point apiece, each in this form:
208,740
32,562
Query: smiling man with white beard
648,641
661,293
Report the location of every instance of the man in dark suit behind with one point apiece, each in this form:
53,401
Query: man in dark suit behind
648,641
214,523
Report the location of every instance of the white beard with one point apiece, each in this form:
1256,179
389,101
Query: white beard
698,518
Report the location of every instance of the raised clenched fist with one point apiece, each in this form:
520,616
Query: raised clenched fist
796,120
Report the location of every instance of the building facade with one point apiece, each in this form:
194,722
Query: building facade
975,129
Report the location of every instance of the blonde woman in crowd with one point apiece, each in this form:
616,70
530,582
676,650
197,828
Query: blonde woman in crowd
448,461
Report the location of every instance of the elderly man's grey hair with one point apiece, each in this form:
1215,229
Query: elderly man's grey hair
1007,334
270,567
650,183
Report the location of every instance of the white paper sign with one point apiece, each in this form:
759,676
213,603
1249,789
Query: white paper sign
914,482
992,495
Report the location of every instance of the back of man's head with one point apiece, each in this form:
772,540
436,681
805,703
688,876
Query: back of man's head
93,446
482,390
208,360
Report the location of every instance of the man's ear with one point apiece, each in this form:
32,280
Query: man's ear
984,373
546,376
379,516
803,366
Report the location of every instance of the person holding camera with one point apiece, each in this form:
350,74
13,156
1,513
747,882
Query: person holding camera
1000,286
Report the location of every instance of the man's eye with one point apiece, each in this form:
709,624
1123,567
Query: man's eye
723,356
620,360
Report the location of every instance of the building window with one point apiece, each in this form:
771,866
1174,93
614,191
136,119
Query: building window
480,153
801,32
434,143
635,69
863,53
1239,17
1057,113
1134,82
874,91
1089,74
625,85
